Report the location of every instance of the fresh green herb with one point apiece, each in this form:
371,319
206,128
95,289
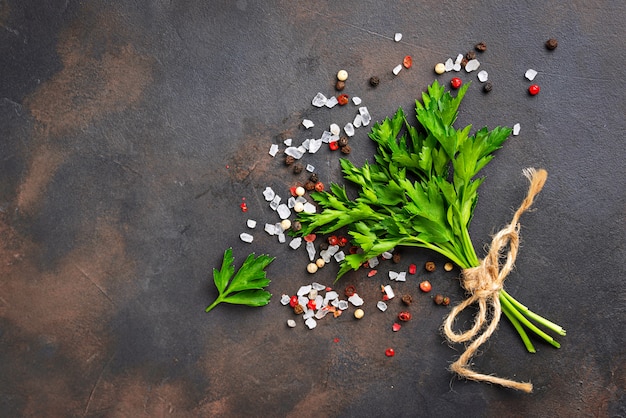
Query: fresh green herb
245,287
421,191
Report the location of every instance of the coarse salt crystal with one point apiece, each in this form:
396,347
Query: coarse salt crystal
449,64
393,275
307,123
483,76
355,300
397,69
332,295
288,142
318,286
381,305
373,262
472,65
349,129
358,121
459,58
281,238
456,67
245,237
310,168
397,37
516,129
319,100
284,299
270,229
291,323
389,292
331,102
314,145
310,249
530,74
321,313
251,223
304,290
268,193
387,255
326,135
283,211
335,129
340,256
294,152
295,243
273,150
356,100
309,208
365,115
343,305
275,202
401,277
311,323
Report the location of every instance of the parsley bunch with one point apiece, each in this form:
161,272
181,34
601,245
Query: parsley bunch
421,191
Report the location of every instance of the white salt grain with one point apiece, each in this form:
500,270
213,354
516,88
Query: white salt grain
310,249
343,305
355,300
275,202
456,67
318,286
397,69
311,323
319,100
373,262
387,255
393,275
308,123
251,223
331,102
288,142
246,237
397,37
381,305
314,145
309,167
335,129
294,152
459,58
270,229
340,256
356,100
268,193
309,208
358,121
483,76
472,65
304,290
401,277
516,129
283,211
291,323
349,129
284,299
365,115
449,64
389,292
273,150
530,74
295,243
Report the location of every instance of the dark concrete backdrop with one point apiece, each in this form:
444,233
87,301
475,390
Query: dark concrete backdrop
131,132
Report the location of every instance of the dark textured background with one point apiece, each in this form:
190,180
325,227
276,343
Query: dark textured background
132,131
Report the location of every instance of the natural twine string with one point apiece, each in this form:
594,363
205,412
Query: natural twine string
484,283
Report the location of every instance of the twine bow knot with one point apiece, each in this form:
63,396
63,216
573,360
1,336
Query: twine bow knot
484,283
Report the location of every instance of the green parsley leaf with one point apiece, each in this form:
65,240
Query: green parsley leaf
246,286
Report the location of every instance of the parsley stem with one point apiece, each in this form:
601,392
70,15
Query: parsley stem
518,327
505,302
531,315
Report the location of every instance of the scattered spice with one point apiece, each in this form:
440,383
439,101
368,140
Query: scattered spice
534,89
470,55
359,313
298,309
396,327
297,168
340,85
333,240
309,186
374,81
343,241
311,268
425,286
487,87
456,83
350,290
448,266
334,145
343,99
296,226
407,299
342,75
412,268
438,299
446,301
404,316
390,352
407,61
289,160
430,266
319,186
343,141
464,62
481,46
440,68
551,44
396,258
320,262
346,149
293,301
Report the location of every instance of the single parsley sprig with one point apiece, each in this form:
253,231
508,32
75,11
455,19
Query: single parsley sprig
421,191
245,287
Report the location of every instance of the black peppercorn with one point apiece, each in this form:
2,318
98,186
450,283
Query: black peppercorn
481,46
430,266
343,141
470,55
346,150
297,168
407,299
340,85
314,177
298,309
438,299
374,81
296,225
551,44
309,185
487,87
289,160
464,62
396,257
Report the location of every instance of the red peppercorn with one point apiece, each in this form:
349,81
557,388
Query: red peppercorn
445,301
412,268
244,207
534,89
311,305
404,316
456,82
407,62
333,240
334,146
343,241
350,290
319,186
310,237
293,301
342,99
390,352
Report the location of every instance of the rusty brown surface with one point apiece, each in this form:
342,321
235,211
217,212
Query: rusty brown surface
132,132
